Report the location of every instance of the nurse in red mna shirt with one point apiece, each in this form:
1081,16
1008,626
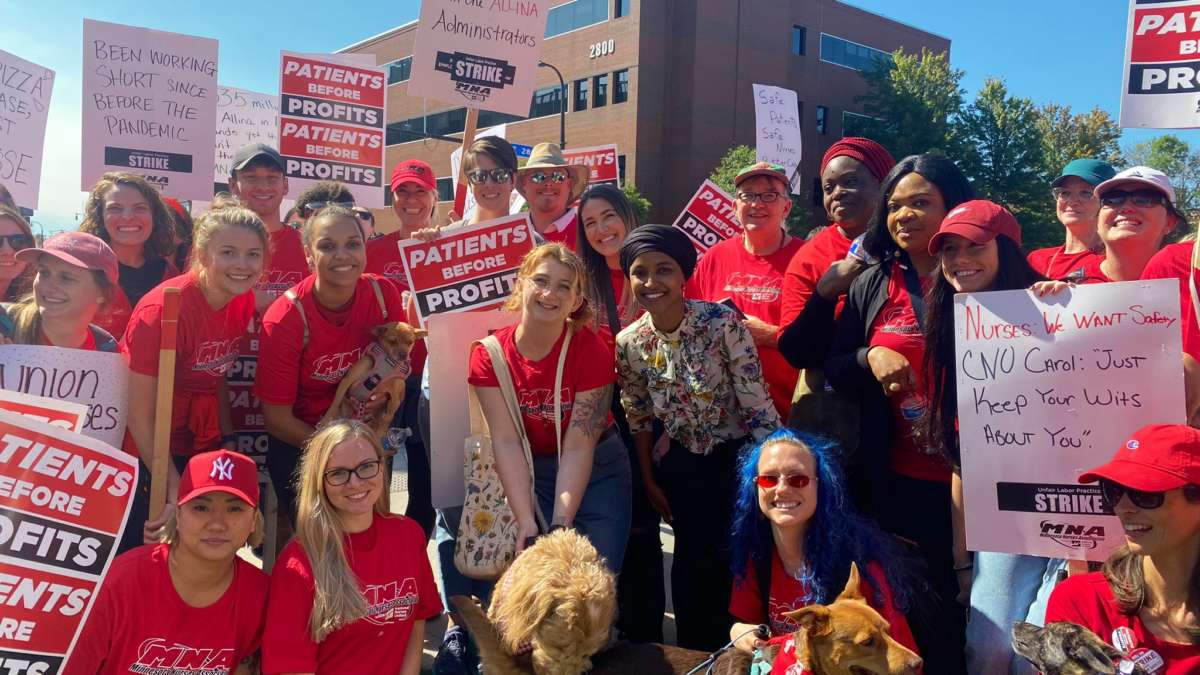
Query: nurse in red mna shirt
1137,211
605,218
216,302
352,592
165,607
1077,208
1144,600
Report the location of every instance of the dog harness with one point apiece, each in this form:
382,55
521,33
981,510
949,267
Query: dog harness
383,367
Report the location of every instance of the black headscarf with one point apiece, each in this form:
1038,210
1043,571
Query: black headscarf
663,239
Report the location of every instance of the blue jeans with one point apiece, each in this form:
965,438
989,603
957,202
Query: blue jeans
445,533
1006,588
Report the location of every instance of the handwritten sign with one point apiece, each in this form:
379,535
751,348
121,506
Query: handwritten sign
1162,58
64,498
479,53
61,414
24,106
468,268
708,217
601,161
777,125
1047,390
243,117
97,380
149,107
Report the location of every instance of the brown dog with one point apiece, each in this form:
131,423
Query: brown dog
1064,648
381,369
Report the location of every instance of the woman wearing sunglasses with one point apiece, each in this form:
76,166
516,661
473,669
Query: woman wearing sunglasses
15,236
1146,601
367,219
1137,210
352,592
551,186
794,535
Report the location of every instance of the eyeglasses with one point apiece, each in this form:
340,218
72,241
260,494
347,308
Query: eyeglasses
1112,493
1143,199
764,197
797,480
365,471
16,241
366,216
1067,195
312,207
480,176
543,176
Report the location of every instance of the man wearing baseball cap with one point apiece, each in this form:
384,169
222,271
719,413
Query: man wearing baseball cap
749,270
1077,206
551,186
414,198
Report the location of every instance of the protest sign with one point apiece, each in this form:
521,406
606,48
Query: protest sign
480,54
97,380
245,409
708,217
149,107
64,498
449,341
1162,65
332,112
601,160
1048,388
243,117
777,125
468,268
61,414
24,106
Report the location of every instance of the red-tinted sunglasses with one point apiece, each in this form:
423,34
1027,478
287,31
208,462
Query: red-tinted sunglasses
796,480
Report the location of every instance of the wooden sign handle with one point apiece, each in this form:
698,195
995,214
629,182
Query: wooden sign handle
162,406
460,193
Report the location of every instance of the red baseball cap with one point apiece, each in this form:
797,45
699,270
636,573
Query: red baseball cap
978,220
76,248
219,471
1156,458
413,171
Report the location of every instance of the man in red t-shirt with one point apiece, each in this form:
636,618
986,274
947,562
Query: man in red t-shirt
414,196
1078,208
552,186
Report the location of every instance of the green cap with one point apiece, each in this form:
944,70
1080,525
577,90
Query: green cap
761,169
1093,171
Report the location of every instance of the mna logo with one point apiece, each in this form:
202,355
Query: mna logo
391,602
156,656
1077,537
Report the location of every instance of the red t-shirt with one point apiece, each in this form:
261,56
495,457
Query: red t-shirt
383,258
567,236
286,265
140,624
1174,261
1054,264
620,290
897,329
306,377
389,561
1087,600
805,270
755,283
589,365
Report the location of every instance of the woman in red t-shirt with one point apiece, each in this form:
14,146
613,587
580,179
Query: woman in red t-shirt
605,218
216,303
581,478
191,602
352,592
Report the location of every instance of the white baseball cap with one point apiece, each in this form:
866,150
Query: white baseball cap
1142,175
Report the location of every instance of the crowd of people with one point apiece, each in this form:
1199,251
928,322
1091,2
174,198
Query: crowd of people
787,405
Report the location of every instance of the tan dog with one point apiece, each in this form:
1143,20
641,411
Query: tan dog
381,369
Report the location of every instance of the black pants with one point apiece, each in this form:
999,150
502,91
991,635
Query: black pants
282,461
420,491
699,489
139,512
641,588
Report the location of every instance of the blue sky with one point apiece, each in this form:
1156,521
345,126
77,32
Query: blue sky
1069,51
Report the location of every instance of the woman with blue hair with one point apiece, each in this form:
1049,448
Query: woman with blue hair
794,525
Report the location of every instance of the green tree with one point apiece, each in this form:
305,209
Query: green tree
912,100
1173,156
1068,136
799,220
641,205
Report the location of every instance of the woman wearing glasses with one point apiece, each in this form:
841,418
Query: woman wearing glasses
1137,210
1144,601
1078,208
352,592
551,186
15,236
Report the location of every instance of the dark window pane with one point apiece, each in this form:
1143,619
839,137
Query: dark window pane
577,14
600,96
399,71
546,102
848,54
621,90
581,95
798,35
822,118
445,188
622,8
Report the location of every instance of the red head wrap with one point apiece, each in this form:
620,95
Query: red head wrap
876,158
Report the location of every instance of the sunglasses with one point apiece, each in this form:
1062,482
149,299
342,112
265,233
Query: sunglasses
16,241
480,176
365,471
796,480
366,216
1112,493
312,207
543,176
1143,199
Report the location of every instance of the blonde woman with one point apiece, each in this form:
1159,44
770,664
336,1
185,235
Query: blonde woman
351,593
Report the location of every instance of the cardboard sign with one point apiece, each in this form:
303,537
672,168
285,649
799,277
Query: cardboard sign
479,54
244,407
777,129
97,380
468,268
1049,388
243,117
24,107
149,107
64,498
601,160
468,212
332,112
1161,78
61,414
708,217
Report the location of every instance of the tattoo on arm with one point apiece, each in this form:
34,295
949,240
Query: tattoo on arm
590,413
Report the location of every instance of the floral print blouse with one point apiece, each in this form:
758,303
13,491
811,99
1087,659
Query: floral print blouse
703,380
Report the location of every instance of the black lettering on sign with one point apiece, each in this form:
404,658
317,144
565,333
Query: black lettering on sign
475,70
27,663
148,159
52,543
1051,498
477,292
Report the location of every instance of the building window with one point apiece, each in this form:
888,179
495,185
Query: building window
600,90
546,101
620,8
441,124
399,70
854,124
621,168
575,15
581,94
798,35
822,119
620,86
445,188
850,54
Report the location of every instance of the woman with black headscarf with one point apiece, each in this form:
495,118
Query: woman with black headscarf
692,365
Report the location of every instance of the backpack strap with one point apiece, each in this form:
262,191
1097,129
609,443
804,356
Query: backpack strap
379,296
290,294
104,340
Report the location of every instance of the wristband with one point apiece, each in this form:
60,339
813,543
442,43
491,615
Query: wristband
964,567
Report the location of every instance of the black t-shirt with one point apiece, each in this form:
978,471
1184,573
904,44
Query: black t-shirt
138,281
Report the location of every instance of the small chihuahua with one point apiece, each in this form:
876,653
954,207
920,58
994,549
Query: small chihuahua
382,368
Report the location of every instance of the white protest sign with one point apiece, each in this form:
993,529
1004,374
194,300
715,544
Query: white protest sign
1049,388
479,53
243,117
450,338
777,129
98,380
498,131
24,106
149,107
1159,80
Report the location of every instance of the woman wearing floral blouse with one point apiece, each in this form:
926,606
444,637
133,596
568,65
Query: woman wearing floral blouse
693,366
